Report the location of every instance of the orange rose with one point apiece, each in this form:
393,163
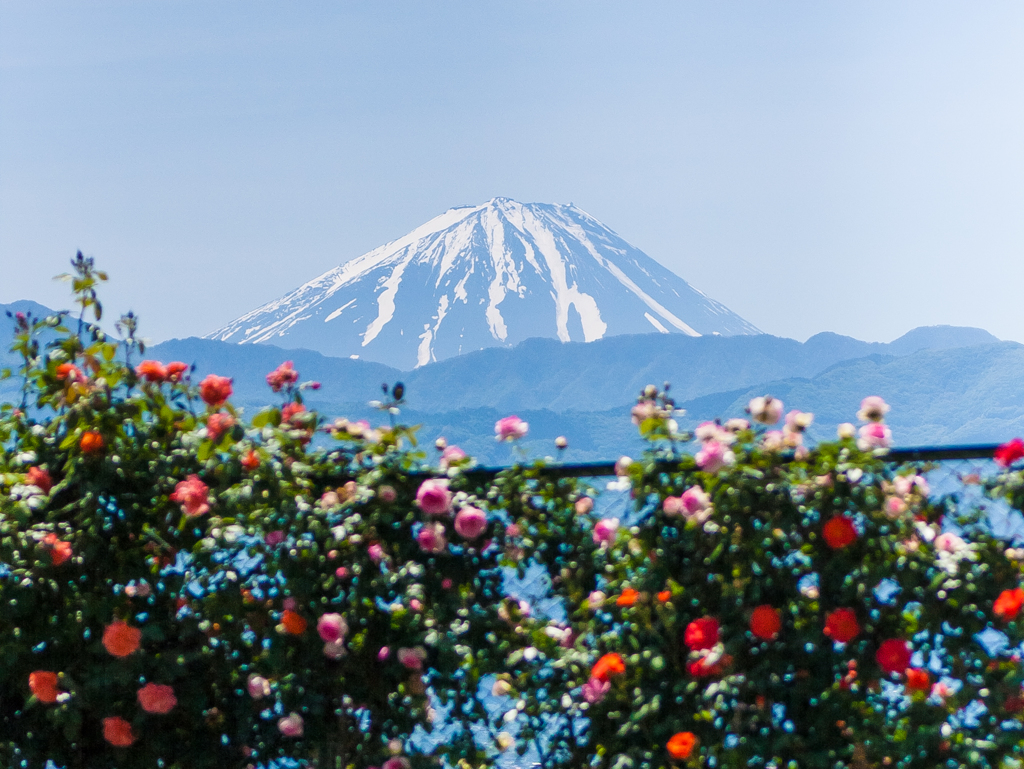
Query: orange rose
91,442
118,732
120,639
251,460
43,684
608,666
151,371
628,597
682,744
665,596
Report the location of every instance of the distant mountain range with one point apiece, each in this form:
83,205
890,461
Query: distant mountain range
491,275
946,384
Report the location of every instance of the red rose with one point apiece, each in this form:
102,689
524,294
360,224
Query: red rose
893,656
702,667
39,478
283,376
43,684
118,732
1008,605
218,424
918,680
841,625
290,411
120,639
193,495
293,622
701,633
70,372
1014,704
1009,452
215,390
765,622
60,551
839,532
175,370
157,698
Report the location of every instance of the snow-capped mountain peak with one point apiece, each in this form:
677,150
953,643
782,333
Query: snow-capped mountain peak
480,276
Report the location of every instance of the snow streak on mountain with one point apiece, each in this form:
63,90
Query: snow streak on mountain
481,276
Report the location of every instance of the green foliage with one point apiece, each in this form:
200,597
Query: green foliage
183,587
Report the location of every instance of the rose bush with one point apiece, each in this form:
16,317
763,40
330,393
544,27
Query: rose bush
821,614
184,586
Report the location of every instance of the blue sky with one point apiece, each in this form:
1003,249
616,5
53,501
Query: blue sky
855,167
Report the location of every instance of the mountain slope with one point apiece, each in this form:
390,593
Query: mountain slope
485,276
945,396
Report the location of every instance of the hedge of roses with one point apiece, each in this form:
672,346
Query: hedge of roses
186,586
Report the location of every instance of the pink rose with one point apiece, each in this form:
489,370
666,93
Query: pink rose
273,538
387,494
798,421
192,494
397,762
433,497
412,659
949,543
713,457
672,505
874,435
282,376
431,538
604,531
452,454
334,650
766,410
895,507
332,627
470,522
584,505
712,431
510,428
291,725
696,504
872,409
258,687
595,689
376,552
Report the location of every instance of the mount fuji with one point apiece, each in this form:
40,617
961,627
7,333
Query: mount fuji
485,276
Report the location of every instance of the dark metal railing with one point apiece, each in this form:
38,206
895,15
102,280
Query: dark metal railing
911,454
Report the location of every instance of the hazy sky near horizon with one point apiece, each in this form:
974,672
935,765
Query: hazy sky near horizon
850,167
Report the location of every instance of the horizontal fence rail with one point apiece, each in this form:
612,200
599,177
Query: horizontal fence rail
600,469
